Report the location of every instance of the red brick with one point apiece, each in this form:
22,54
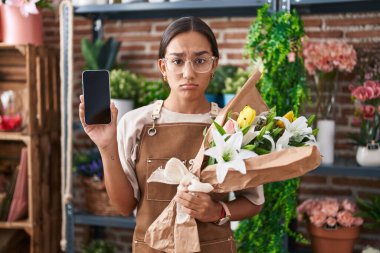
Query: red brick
154,47
229,24
235,56
328,191
351,182
352,21
343,99
311,179
312,22
140,38
343,146
132,48
348,111
226,45
325,34
363,34
137,28
235,36
367,195
132,65
82,22
139,56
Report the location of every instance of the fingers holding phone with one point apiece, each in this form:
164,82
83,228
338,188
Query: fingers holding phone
97,115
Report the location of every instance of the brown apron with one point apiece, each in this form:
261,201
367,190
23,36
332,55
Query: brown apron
159,143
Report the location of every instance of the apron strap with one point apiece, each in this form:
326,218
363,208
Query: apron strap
155,115
157,110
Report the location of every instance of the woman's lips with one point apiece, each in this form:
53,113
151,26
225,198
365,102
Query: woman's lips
188,86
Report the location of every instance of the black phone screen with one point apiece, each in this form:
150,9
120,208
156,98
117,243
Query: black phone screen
96,93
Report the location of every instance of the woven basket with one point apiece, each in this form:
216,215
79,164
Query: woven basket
97,200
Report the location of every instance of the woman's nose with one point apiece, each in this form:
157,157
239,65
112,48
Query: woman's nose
188,71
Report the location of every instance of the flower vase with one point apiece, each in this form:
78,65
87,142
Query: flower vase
368,155
340,240
325,139
325,89
17,29
123,106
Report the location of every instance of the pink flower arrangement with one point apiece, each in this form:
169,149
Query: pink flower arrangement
328,56
329,213
27,7
367,112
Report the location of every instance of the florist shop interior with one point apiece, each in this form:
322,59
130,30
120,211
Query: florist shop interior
319,58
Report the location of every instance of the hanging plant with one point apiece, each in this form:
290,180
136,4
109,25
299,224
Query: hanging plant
276,39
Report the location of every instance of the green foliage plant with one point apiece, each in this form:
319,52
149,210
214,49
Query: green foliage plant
100,54
124,84
370,211
217,84
149,91
234,83
273,38
98,246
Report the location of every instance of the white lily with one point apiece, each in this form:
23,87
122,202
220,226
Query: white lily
228,154
297,130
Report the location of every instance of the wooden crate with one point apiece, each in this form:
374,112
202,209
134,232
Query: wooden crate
33,71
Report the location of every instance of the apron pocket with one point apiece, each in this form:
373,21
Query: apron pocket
226,245
158,191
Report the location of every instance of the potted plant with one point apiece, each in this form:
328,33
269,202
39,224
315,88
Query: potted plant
100,54
323,61
331,223
21,21
149,91
89,167
276,40
217,84
98,246
234,83
123,87
367,115
370,210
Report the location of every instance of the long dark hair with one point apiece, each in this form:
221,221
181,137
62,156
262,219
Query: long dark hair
187,24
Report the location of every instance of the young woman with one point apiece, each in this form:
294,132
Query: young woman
147,137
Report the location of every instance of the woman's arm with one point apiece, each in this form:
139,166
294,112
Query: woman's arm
202,207
119,188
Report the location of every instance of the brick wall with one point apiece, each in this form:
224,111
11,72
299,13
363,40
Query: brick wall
140,39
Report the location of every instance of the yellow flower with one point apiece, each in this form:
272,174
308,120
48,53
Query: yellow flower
246,117
289,116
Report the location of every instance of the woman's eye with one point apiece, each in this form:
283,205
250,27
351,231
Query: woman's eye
199,61
177,61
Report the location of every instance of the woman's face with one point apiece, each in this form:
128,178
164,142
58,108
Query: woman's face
188,65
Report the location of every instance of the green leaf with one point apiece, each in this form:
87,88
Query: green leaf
219,128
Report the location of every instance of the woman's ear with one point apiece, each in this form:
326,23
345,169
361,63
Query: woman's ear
162,67
215,64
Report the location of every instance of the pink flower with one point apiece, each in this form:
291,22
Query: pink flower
318,219
345,218
358,221
331,222
291,57
368,112
229,127
26,6
349,205
330,206
362,93
374,86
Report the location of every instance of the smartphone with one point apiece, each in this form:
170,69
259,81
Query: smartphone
96,92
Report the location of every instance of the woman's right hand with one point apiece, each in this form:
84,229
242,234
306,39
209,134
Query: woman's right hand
102,135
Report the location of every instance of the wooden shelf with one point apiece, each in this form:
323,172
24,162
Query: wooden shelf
14,136
16,225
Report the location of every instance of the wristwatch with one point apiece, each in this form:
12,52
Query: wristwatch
226,218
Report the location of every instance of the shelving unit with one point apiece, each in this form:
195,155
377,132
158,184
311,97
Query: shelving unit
32,71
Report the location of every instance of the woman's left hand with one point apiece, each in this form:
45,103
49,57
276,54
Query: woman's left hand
199,205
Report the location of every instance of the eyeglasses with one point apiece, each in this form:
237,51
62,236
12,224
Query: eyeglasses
199,64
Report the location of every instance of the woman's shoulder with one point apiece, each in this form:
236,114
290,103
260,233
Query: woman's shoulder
138,115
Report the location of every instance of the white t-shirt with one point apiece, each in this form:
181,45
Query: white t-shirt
129,131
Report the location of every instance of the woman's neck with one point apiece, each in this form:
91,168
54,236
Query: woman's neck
198,106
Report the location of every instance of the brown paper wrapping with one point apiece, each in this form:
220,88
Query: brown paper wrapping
165,235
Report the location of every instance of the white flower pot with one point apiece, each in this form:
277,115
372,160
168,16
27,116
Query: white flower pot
123,106
368,157
325,139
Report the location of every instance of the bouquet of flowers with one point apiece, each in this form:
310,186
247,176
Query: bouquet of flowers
254,154
367,112
329,213
328,56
